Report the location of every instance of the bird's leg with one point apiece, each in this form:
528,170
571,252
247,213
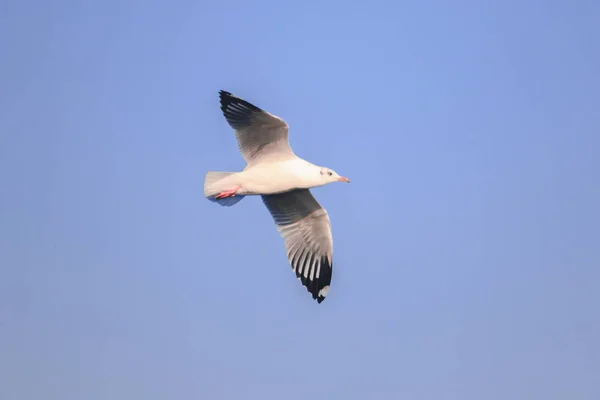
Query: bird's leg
227,193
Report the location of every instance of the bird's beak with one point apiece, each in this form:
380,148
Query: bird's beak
343,179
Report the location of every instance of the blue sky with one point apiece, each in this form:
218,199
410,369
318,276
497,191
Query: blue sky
466,247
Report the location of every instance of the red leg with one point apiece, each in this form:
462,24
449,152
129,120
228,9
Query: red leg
227,193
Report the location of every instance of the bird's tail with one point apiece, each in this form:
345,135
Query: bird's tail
217,182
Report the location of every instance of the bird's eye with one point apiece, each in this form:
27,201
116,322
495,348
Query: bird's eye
329,173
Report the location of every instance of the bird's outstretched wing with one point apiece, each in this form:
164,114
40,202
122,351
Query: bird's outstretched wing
261,136
305,226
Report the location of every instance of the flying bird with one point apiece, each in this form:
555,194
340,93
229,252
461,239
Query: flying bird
283,180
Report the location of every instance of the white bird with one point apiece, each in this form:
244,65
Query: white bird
283,180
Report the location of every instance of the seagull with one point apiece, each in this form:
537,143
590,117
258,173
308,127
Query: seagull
283,180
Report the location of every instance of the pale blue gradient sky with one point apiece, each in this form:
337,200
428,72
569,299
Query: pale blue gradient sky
467,248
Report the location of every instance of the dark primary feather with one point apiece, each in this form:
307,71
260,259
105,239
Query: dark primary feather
238,112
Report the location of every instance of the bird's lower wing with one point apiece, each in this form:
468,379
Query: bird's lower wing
305,226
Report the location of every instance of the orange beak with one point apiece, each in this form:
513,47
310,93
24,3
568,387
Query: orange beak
343,179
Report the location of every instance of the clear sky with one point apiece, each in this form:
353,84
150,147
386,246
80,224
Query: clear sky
467,247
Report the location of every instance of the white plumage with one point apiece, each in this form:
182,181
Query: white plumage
283,180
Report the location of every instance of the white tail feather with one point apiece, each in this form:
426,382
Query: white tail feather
217,182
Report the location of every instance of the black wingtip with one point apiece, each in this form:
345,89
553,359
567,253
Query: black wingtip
319,287
230,98
237,111
224,93
225,98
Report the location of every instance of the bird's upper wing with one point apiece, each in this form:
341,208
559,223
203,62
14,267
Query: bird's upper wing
261,136
305,226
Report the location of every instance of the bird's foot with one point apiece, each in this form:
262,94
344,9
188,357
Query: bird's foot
227,193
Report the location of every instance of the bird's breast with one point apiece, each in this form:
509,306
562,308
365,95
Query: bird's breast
272,178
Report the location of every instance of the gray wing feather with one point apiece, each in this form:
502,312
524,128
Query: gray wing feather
260,135
306,229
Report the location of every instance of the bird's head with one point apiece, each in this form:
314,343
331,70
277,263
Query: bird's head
329,176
